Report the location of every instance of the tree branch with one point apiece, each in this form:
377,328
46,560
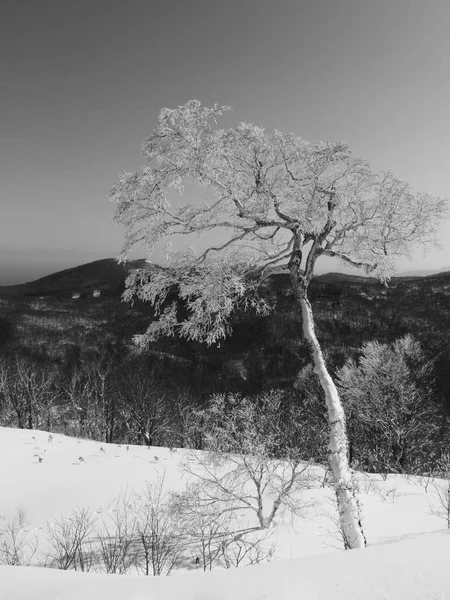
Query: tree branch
368,267
276,205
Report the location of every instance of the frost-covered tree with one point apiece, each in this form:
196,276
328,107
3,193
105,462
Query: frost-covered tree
262,199
388,399
247,466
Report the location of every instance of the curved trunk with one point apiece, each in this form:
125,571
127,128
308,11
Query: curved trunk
348,506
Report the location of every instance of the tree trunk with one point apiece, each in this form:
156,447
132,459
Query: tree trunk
29,413
348,506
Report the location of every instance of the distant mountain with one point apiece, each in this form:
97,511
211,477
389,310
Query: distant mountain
423,272
108,277
345,278
105,275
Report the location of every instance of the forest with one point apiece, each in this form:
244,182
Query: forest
70,366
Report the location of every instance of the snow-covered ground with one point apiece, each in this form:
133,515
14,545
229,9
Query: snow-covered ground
407,557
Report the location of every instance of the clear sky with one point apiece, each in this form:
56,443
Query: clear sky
82,82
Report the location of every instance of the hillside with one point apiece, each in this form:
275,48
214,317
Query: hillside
106,275
406,557
263,352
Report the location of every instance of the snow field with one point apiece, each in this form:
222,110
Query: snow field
48,475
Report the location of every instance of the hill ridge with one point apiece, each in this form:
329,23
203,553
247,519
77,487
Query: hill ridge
107,275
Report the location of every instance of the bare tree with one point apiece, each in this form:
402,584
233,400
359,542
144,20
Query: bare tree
206,527
140,530
247,466
89,389
69,538
268,198
247,549
77,390
144,406
158,538
215,533
116,535
100,368
18,544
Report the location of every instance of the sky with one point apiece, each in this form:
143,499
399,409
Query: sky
82,82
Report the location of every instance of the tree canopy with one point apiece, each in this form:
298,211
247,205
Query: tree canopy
278,197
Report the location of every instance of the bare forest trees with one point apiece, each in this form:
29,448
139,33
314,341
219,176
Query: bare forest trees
144,406
117,400
268,199
27,392
152,532
88,392
96,395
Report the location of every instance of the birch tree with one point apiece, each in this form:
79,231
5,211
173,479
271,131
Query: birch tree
264,199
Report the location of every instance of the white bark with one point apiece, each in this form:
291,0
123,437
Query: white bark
349,511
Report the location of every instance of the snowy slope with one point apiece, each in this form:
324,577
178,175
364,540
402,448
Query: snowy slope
416,568
48,476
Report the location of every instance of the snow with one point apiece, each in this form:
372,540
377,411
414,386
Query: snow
407,556
415,568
